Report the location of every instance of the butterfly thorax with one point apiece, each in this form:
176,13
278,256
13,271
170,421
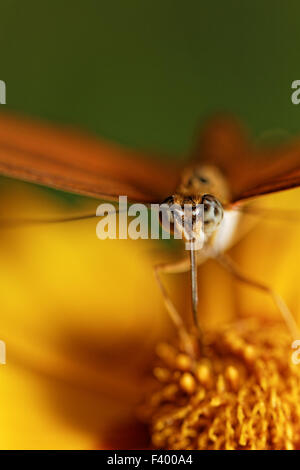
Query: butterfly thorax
198,180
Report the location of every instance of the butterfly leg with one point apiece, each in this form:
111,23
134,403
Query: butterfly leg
287,315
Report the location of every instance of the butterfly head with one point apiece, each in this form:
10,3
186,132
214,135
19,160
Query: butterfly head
195,217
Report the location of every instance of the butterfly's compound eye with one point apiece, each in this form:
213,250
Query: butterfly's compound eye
167,207
212,212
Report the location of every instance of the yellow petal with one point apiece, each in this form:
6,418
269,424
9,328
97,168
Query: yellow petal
80,318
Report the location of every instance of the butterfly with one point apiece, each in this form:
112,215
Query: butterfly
224,172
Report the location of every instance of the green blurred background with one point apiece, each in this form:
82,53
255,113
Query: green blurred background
143,72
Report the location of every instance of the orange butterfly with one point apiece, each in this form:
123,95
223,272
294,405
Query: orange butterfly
225,171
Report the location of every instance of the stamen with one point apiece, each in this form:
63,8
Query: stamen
243,395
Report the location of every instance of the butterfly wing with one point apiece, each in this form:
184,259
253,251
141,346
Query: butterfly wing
250,171
70,161
273,170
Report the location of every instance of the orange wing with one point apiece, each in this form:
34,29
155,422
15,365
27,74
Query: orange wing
71,161
250,171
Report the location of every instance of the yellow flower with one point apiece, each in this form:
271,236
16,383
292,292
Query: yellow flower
81,318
